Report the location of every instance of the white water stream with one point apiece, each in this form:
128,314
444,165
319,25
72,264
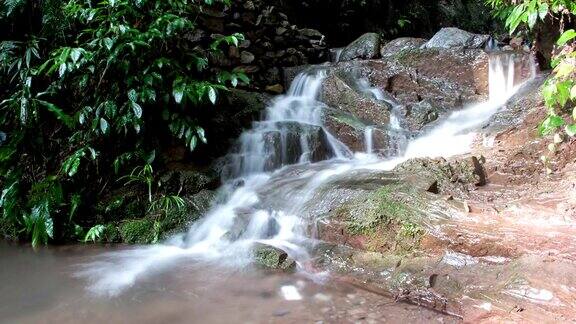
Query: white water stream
290,134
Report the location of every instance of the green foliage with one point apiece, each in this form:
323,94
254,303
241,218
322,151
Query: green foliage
142,231
89,87
167,204
95,233
559,91
39,225
143,174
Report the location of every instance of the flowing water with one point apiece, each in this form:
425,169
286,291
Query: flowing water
289,134
39,287
271,176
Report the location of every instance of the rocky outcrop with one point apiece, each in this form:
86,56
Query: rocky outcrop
270,257
451,37
285,141
366,46
236,112
338,94
350,111
271,40
455,78
402,44
455,178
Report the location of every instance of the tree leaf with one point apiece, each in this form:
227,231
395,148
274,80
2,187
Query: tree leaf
60,115
550,124
103,125
132,95
136,109
62,69
566,37
108,42
193,142
178,93
75,54
570,130
212,95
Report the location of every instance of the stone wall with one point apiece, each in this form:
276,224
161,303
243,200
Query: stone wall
272,42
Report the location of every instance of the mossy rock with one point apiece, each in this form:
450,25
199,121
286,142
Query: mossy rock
188,182
409,56
8,231
127,203
386,220
439,176
140,231
270,257
180,220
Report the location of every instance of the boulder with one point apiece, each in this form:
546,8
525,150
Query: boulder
456,178
188,182
246,57
311,33
366,46
338,94
283,142
451,37
275,89
393,218
420,114
446,78
401,44
270,257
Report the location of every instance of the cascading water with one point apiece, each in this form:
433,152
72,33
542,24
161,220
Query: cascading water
368,140
290,134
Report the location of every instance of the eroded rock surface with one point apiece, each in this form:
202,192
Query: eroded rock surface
366,46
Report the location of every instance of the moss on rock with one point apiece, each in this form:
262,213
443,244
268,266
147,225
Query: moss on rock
140,231
386,220
272,258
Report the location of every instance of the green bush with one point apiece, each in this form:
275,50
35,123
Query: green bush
141,231
90,91
559,90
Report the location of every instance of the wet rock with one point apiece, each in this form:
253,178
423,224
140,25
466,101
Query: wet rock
420,114
246,57
201,201
188,182
242,224
456,177
275,89
273,76
272,258
281,31
393,218
337,94
366,46
451,37
284,143
311,33
401,44
457,77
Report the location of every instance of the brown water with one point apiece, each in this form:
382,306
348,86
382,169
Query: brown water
41,287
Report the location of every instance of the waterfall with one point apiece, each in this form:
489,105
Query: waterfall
368,139
292,132
455,134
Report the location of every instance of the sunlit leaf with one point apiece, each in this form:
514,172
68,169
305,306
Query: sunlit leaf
566,37
570,130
